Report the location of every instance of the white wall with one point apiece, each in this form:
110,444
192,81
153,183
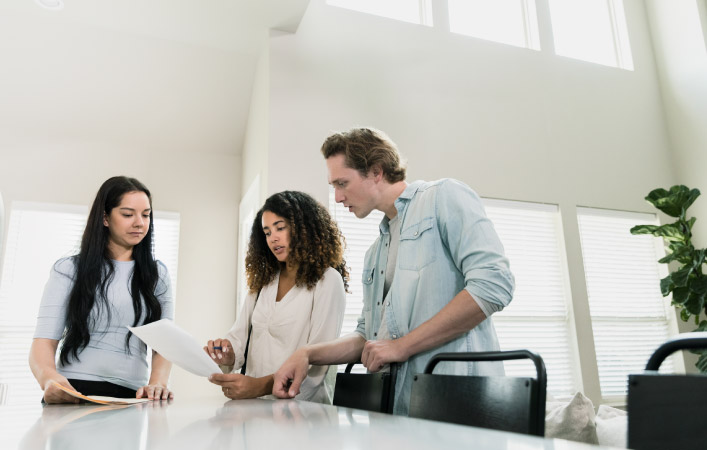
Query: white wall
679,34
257,139
68,81
512,123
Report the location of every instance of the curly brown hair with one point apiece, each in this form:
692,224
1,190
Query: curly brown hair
316,243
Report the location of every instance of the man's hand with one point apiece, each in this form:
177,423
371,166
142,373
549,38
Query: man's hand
376,354
288,379
235,385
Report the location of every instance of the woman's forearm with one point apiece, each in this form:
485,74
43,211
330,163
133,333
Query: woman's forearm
41,360
161,368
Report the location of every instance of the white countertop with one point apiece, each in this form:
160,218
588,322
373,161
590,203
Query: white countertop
248,424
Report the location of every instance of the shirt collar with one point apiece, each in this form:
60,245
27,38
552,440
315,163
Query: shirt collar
401,202
410,190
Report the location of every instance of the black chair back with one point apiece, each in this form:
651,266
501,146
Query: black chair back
668,411
514,404
369,391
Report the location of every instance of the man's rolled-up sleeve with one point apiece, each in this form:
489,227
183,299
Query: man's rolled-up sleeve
474,246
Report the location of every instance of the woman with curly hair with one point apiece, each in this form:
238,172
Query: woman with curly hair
297,279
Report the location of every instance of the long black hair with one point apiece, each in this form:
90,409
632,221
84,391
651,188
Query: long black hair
94,272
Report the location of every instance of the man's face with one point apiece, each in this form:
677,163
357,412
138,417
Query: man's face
357,193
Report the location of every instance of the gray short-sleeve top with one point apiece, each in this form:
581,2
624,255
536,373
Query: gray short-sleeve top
105,358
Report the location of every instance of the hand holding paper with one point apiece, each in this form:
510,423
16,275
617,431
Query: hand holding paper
177,346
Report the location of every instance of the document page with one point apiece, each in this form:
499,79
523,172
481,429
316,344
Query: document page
102,400
177,346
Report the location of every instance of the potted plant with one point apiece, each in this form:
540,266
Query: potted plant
687,282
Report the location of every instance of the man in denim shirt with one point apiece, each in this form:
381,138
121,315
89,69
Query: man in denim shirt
431,280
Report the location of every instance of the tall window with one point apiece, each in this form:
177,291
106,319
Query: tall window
413,11
359,234
630,318
38,235
512,22
537,319
593,31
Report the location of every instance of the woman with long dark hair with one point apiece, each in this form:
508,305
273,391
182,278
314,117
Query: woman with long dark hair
91,297
297,279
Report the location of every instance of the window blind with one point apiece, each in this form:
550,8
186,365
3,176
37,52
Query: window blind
165,239
630,318
38,235
537,318
359,235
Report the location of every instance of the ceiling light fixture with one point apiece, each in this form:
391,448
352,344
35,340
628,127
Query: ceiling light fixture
54,5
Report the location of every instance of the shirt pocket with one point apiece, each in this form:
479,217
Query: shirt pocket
367,287
417,245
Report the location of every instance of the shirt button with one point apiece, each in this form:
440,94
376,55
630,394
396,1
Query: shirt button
395,336
416,233
387,304
379,303
369,278
381,272
375,334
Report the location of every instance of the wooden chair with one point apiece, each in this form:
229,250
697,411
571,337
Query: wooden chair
666,410
514,404
369,391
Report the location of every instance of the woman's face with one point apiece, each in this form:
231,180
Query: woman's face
277,235
129,222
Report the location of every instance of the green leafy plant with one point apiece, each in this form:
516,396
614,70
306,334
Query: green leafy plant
687,282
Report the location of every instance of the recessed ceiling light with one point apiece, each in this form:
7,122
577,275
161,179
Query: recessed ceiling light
54,5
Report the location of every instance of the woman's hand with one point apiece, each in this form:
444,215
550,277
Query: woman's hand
41,361
154,391
53,394
235,385
221,351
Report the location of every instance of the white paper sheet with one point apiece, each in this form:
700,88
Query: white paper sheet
177,346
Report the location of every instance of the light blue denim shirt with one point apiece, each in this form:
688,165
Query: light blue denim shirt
446,244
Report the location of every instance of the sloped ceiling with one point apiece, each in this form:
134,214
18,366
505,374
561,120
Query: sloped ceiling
162,74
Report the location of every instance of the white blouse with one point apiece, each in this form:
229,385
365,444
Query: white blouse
301,317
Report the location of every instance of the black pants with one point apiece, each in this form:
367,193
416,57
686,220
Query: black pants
102,388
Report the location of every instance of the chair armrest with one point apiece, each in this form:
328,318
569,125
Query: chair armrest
686,341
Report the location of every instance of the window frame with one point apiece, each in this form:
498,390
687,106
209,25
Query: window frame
571,351
619,37
530,27
676,359
425,8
